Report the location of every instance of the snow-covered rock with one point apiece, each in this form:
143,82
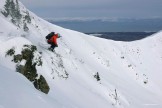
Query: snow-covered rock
130,72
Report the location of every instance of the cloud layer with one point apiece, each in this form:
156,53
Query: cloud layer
95,8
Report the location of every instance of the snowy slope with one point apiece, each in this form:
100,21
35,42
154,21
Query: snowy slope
130,72
17,92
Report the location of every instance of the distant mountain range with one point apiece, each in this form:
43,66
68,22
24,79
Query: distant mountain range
110,24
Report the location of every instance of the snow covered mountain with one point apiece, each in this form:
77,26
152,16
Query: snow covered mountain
83,72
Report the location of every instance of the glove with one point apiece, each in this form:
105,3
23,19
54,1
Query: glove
59,36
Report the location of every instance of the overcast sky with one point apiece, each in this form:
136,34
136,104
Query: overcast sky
95,8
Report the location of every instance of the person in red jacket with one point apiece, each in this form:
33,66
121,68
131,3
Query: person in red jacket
53,41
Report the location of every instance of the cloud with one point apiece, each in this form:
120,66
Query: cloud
83,8
63,3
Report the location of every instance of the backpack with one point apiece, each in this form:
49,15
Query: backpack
50,35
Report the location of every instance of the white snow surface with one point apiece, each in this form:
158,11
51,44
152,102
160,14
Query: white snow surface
130,72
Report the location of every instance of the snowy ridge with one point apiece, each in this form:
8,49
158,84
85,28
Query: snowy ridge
130,72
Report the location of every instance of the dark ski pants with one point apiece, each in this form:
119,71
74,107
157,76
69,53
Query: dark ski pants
52,45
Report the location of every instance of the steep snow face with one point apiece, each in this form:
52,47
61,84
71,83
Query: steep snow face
130,72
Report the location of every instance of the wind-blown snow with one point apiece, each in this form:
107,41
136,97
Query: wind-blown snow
130,72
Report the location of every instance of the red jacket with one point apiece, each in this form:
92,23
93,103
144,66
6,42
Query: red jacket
53,39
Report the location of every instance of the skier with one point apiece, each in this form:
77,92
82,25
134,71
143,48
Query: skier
52,40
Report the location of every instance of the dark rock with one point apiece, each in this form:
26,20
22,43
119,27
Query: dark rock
41,85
